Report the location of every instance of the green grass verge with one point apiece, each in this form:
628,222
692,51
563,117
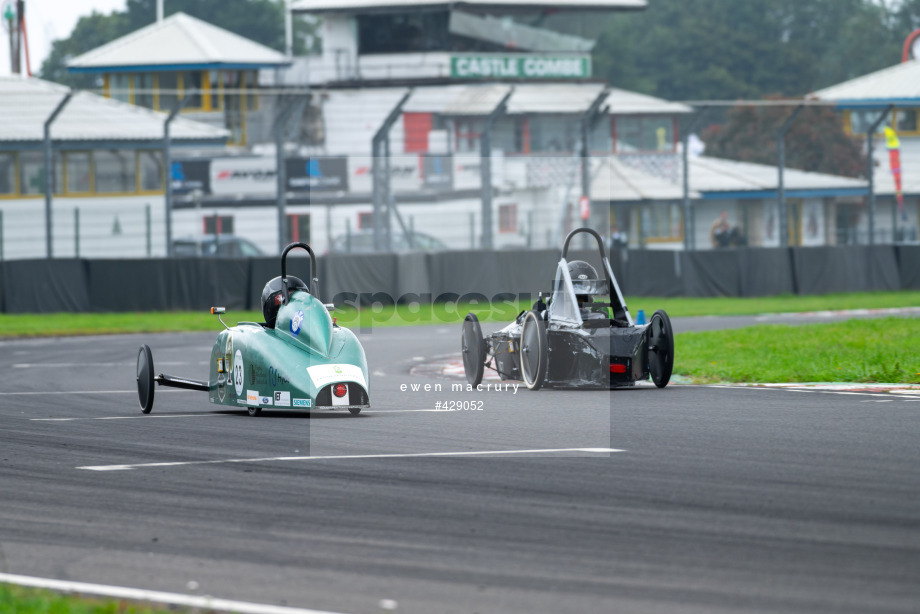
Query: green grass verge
688,307
879,350
19,600
60,324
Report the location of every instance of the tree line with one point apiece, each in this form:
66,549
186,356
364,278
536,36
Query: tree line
731,49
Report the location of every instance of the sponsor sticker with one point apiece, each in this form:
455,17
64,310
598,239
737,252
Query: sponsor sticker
252,397
275,377
303,402
282,399
238,371
323,375
264,400
297,322
257,375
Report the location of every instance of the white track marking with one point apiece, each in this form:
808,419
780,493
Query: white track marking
348,457
144,417
886,395
209,415
64,365
862,392
50,392
137,594
403,411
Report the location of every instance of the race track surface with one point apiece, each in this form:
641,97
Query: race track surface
716,499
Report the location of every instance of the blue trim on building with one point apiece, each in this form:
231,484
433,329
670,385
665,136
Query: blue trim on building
875,104
770,194
177,67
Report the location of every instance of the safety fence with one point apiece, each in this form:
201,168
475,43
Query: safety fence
83,285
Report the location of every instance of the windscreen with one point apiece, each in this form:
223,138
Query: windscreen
564,307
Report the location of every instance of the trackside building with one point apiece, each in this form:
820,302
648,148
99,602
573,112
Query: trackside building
107,185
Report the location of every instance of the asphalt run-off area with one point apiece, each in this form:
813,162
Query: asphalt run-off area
689,498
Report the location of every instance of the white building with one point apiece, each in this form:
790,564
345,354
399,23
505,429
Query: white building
862,100
452,64
107,197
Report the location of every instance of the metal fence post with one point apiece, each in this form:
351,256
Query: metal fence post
380,174
870,151
76,231
781,169
588,124
485,166
347,235
49,170
295,108
167,163
689,238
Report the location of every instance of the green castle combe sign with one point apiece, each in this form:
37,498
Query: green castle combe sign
520,67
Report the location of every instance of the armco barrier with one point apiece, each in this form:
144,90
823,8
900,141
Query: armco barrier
909,266
43,286
858,268
710,273
164,285
766,271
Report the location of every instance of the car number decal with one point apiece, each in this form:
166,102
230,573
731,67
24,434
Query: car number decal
238,373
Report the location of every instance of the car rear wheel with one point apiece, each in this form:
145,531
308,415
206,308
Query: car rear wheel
255,411
473,347
145,378
354,411
534,351
660,348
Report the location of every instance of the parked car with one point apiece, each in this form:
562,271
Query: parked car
212,246
363,242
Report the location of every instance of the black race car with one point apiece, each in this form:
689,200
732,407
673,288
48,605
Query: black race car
582,337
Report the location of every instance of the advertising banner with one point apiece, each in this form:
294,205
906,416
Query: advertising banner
188,175
243,176
517,66
437,172
328,174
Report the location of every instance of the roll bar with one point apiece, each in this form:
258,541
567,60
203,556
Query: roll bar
618,303
314,281
590,231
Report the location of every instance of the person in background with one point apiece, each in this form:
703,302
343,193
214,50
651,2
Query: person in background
617,238
720,233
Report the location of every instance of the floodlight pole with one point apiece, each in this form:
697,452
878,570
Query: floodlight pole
781,170
870,154
167,163
689,242
380,174
485,168
49,170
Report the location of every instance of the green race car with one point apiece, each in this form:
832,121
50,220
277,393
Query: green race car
298,359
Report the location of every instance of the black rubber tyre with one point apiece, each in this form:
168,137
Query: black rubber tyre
354,411
254,411
473,346
660,348
145,383
534,351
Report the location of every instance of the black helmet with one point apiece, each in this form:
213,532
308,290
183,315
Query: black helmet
271,296
584,279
